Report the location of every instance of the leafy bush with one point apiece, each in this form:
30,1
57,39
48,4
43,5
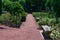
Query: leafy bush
42,21
47,21
5,17
15,21
6,5
10,20
56,32
55,35
16,8
36,14
44,18
16,11
23,16
13,7
51,21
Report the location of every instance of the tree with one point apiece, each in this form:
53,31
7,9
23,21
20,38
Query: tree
13,7
14,0
16,8
55,4
6,4
33,5
57,9
0,7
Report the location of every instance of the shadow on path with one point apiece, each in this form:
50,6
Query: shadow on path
2,28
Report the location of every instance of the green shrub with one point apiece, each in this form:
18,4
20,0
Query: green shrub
58,26
5,17
23,17
44,14
36,14
15,21
16,10
51,21
13,7
55,35
43,21
47,21
10,20
55,31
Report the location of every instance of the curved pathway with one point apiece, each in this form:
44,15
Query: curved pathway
27,31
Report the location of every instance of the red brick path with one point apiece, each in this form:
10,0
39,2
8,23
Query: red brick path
28,31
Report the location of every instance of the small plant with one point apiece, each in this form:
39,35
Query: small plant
56,32
55,35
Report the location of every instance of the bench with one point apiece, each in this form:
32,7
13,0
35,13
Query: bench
46,29
46,32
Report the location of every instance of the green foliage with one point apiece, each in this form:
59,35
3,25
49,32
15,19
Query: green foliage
0,7
46,20
5,17
53,5
6,4
15,21
56,32
13,7
36,14
16,8
23,16
33,5
51,21
14,0
42,22
55,35
22,1
8,19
